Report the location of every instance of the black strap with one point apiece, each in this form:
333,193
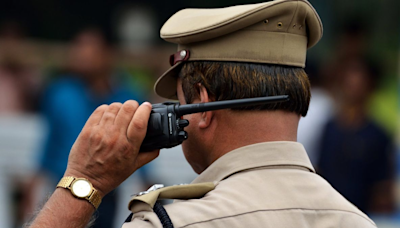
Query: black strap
129,219
161,214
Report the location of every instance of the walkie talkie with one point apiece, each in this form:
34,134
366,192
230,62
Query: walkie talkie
165,127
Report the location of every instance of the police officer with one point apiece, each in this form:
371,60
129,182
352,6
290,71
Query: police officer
252,172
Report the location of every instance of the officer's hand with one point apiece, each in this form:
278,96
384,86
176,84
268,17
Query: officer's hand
106,151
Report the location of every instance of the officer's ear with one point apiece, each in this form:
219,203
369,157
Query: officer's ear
206,117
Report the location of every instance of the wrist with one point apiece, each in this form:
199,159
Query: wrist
63,210
74,202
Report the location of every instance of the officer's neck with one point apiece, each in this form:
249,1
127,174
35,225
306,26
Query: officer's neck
241,128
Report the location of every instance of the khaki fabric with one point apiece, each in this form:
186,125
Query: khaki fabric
275,32
195,25
261,185
172,192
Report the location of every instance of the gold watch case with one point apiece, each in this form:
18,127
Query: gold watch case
81,188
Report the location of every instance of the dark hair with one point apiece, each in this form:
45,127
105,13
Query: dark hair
234,80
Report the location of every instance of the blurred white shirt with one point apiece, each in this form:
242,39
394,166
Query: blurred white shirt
311,127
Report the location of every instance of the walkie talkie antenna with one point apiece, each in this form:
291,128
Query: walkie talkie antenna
204,107
165,128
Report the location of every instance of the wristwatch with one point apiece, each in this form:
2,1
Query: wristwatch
81,188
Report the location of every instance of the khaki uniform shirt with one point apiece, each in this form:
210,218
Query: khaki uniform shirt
261,185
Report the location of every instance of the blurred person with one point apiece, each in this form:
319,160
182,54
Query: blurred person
20,79
20,84
351,44
11,91
252,172
356,155
71,98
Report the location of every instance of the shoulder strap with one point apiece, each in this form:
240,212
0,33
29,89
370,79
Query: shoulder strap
189,191
150,198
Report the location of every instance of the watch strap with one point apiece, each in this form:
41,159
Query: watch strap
94,198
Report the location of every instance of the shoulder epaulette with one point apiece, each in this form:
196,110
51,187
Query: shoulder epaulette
189,191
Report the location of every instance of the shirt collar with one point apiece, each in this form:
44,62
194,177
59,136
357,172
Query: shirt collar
256,156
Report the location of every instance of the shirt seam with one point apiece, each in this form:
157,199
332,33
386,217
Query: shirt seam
264,166
295,13
274,167
283,209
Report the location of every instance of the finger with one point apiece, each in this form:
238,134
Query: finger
96,116
110,114
146,157
125,114
138,125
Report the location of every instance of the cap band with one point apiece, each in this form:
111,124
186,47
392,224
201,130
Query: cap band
281,48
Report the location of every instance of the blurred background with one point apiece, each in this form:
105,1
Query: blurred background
59,60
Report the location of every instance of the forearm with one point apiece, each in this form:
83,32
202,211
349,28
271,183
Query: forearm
63,210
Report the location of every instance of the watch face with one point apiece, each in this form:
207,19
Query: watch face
81,188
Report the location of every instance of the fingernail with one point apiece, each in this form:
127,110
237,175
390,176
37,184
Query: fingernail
146,103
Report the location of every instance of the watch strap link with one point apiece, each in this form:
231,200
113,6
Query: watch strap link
65,182
94,198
